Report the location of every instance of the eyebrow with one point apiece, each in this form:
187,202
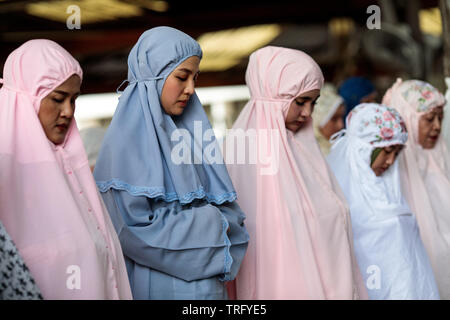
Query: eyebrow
64,93
392,148
433,113
187,70
307,98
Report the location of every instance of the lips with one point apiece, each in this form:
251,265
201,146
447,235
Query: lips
183,102
383,169
62,126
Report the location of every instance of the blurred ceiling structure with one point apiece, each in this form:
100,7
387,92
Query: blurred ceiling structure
228,31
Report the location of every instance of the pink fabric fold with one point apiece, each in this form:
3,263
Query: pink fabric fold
49,202
301,244
425,175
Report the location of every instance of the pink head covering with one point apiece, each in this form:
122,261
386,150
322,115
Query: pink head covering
301,241
49,202
425,175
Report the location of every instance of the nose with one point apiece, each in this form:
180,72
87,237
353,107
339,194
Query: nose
436,123
190,87
306,110
68,109
390,160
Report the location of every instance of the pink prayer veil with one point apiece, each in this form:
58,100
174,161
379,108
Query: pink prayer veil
300,233
425,175
49,201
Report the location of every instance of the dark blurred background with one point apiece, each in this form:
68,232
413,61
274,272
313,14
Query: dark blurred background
335,33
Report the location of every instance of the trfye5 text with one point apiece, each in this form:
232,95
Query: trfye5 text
231,309
253,309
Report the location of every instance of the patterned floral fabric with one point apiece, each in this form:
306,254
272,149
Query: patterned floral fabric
422,96
383,125
16,282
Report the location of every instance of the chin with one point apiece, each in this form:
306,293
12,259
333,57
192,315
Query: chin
295,129
177,112
57,141
428,145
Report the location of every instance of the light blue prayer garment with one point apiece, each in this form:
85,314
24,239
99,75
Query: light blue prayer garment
180,228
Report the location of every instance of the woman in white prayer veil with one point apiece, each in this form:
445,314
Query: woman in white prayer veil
328,116
388,247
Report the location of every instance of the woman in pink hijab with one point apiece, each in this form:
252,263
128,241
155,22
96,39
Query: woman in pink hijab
49,202
425,170
300,232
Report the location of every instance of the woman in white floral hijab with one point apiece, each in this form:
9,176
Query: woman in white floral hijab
389,250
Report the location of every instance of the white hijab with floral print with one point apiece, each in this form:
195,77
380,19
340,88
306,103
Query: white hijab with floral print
385,232
369,126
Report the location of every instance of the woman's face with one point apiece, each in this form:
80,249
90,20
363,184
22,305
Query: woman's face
301,109
335,124
180,86
385,159
430,127
57,109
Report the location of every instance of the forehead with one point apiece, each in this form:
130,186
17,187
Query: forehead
340,109
435,111
71,85
439,109
312,94
393,146
191,64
